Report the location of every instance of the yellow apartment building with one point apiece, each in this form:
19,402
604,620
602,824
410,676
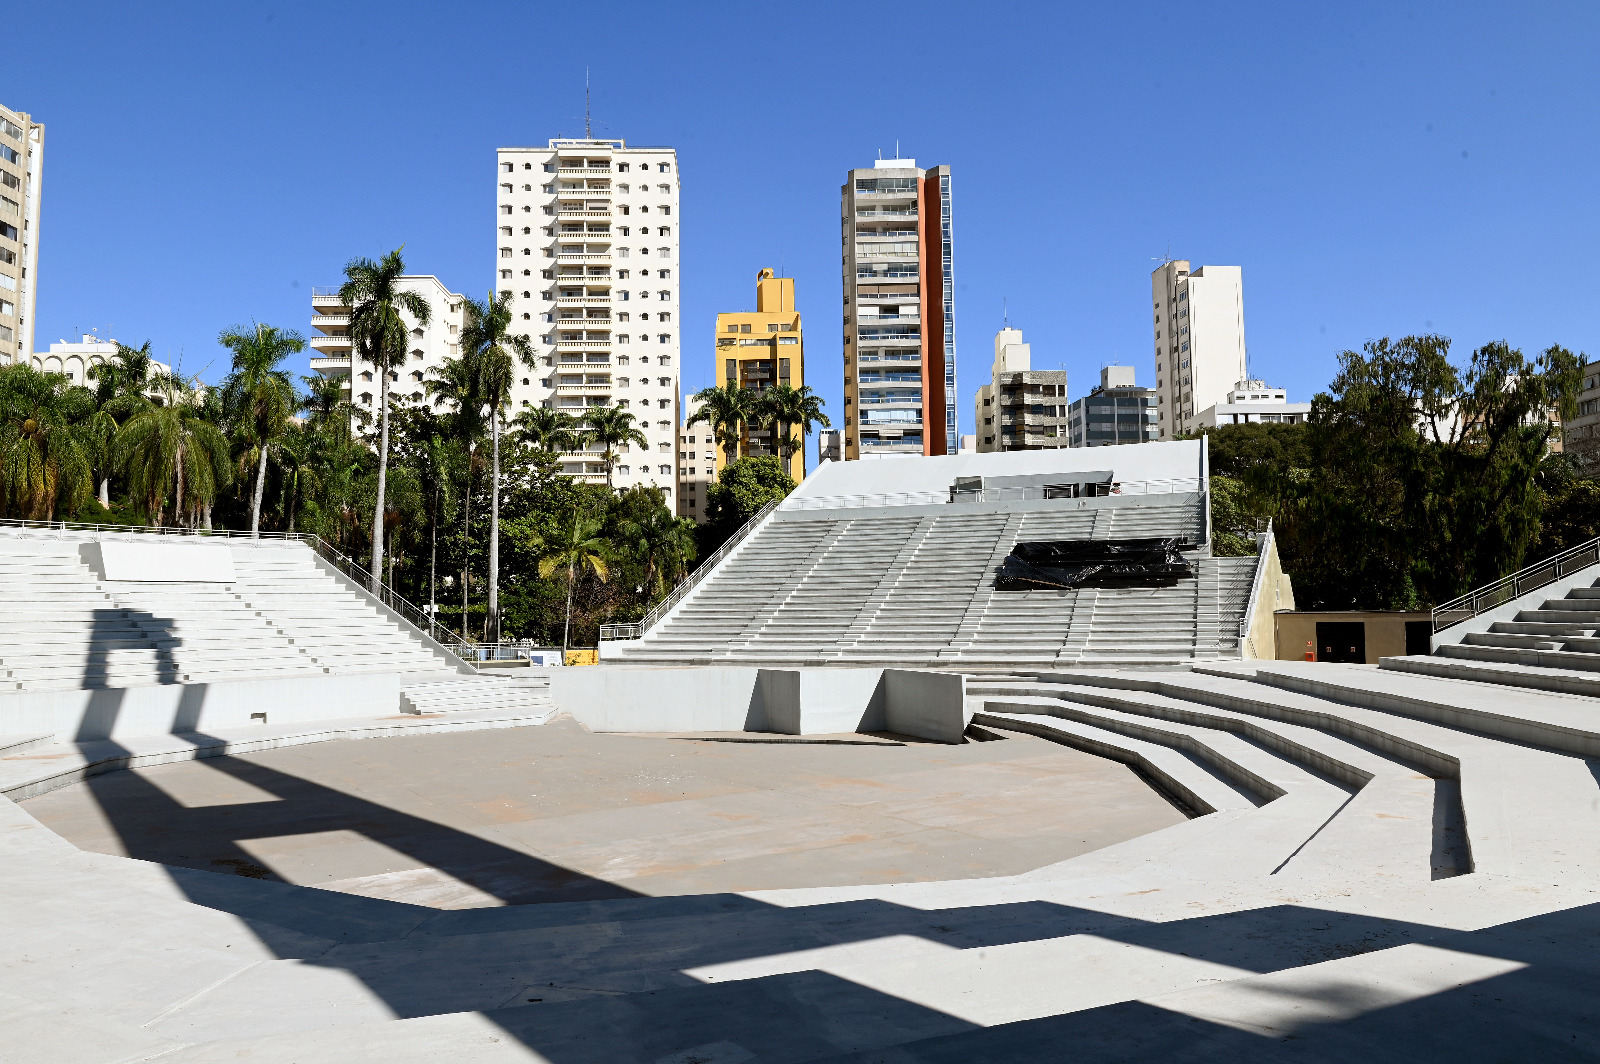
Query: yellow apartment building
759,349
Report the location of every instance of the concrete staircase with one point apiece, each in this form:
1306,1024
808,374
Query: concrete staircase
1377,866
915,585
478,694
63,627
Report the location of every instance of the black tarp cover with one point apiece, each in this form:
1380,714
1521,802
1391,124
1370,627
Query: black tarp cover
1045,565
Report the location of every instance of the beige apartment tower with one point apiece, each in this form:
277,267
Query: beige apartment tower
21,174
1199,337
586,240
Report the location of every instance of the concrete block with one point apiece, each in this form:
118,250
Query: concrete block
822,701
928,705
164,560
605,698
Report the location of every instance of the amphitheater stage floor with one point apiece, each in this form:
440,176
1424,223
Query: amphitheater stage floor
555,813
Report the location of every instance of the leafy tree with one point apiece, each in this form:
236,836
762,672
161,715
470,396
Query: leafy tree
376,301
260,395
727,409
488,344
119,387
666,545
576,547
44,452
743,488
612,427
457,385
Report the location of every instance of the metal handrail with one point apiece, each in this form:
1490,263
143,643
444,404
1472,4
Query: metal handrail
689,583
1172,486
415,615
1263,540
1516,585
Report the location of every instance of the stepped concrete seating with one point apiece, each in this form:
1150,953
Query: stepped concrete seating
915,584
1362,878
64,627
479,694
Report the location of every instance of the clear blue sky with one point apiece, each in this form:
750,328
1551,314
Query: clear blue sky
1376,169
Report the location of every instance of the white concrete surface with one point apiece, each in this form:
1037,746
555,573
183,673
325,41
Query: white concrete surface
177,560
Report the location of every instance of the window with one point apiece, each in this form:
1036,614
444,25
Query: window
663,295
665,230
772,327
666,360
7,307
664,252
665,338
664,448
666,471
505,168
11,180
665,168
665,403
664,317
733,328
744,328
622,168
505,208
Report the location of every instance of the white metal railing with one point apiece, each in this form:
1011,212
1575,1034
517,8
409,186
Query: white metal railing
1173,486
509,650
610,632
1263,548
1517,584
701,571
885,213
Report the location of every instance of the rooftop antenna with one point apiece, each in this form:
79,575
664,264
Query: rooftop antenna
588,131
1005,312
1164,259
897,147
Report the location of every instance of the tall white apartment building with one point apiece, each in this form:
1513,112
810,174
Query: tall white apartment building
21,177
332,353
1199,335
587,239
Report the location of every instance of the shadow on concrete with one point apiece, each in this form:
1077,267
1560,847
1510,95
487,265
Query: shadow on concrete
206,837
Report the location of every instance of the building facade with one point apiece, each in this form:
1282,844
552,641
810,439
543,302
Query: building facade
76,361
899,311
699,458
1021,408
587,242
1580,437
1253,403
1199,338
830,445
21,183
1117,411
333,354
759,349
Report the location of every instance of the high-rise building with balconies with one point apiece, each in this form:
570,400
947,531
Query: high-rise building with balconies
1116,411
587,242
21,174
332,352
1199,333
899,311
1021,408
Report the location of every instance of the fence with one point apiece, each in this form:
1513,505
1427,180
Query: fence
675,596
1516,585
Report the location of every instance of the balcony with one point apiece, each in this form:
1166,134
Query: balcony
326,299
574,345
888,193
576,300
332,365
582,256
583,214
583,193
576,273
583,170
898,272
888,234
887,212
888,297
872,319
569,322
323,321
332,342
584,389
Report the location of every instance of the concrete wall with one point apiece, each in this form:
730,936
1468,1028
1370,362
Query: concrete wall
927,705
1273,591
1386,631
162,709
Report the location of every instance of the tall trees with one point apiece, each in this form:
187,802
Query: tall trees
259,395
742,489
545,429
170,451
574,547
664,543
727,409
377,302
457,385
44,460
785,408
612,427
487,345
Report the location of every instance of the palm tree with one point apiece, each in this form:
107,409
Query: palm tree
665,543
373,294
434,472
727,409
327,411
612,427
487,345
580,548
260,394
170,450
119,393
457,385
545,429
783,408
44,457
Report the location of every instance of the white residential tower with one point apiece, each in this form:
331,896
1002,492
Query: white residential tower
1199,336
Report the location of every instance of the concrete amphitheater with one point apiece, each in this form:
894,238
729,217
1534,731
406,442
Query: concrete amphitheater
1332,862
